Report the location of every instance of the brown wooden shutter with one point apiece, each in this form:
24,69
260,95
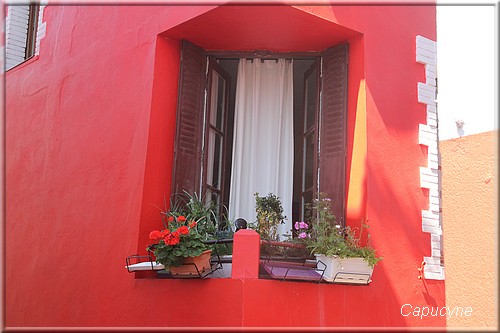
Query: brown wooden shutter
333,118
186,174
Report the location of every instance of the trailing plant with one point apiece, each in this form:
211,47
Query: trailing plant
269,215
324,235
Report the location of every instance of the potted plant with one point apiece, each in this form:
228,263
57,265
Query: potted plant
179,246
190,224
337,247
269,215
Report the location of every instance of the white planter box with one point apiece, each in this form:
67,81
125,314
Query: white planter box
348,270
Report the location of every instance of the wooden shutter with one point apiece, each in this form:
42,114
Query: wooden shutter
332,133
190,121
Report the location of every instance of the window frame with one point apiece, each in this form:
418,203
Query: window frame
322,134
31,35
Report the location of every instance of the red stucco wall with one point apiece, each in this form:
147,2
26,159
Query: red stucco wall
89,139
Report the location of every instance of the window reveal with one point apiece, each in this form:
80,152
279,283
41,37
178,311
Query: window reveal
204,128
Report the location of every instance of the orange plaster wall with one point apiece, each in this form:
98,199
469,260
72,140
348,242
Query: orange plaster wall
469,199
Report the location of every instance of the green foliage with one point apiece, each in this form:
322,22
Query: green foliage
211,218
269,214
326,236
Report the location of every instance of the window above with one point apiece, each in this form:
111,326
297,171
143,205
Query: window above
21,33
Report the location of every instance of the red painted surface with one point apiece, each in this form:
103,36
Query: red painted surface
246,254
89,146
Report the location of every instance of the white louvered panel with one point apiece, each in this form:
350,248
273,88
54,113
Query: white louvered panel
434,208
426,90
15,35
426,100
436,245
433,158
432,164
436,252
432,122
429,185
431,69
432,268
430,215
431,229
42,27
428,171
430,222
427,128
432,261
426,53
429,178
431,115
434,276
433,201
426,43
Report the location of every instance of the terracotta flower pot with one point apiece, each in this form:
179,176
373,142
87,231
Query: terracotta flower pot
193,265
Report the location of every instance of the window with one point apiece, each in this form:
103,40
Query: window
205,125
21,31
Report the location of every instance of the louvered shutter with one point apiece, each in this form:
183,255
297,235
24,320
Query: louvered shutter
332,154
190,121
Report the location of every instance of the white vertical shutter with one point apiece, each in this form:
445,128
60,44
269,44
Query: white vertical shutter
16,33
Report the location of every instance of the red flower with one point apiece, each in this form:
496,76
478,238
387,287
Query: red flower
170,218
183,230
192,224
173,238
156,235
181,218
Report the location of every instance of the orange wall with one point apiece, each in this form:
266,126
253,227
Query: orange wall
469,204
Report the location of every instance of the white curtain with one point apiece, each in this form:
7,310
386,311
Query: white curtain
263,138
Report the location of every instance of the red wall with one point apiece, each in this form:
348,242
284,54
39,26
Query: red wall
89,144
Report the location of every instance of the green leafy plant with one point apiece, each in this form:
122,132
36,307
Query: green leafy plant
269,215
209,216
324,235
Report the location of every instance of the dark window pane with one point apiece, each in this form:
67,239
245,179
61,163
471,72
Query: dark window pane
217,101
308,161
310,99
214,165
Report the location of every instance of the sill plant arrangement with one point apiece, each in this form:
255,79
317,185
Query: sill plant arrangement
324,235
189,222
269,215
178,240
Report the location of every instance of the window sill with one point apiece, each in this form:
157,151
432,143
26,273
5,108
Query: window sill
24,63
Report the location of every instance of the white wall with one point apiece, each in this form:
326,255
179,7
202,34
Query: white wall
466,69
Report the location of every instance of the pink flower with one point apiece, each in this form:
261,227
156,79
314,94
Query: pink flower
303,225
302,235
297,225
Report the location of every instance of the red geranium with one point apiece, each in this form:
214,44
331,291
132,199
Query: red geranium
178,240
155,235
183,230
